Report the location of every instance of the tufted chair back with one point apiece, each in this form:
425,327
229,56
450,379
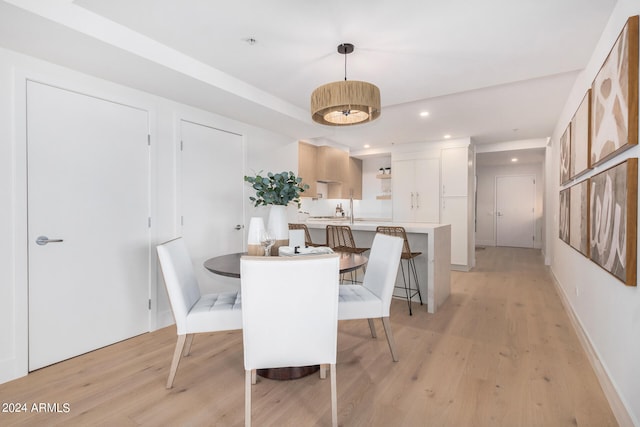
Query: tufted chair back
180,279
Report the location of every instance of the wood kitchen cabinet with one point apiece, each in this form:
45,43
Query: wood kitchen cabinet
332,164
352,185
343,174
307,154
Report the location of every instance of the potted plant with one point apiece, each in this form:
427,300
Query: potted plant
276,190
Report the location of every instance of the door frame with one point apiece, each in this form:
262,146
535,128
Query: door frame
495,209
81,84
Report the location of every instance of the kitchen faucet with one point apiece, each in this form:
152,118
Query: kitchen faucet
351,208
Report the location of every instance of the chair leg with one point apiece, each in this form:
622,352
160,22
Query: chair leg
334,397
247,397
406,290
254,376
372,326
412,264
177,354
392,344
187,349
323,371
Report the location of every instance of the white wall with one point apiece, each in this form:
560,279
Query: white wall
607,310
263,150
486,198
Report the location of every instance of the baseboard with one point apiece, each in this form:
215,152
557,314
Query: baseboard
164,319
485,242
617,406
460,267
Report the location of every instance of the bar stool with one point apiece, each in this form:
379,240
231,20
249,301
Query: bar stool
340,239
307,236
408,256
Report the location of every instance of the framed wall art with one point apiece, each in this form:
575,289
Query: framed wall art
563,223
614,98
565,156
613,212
580,138
579,217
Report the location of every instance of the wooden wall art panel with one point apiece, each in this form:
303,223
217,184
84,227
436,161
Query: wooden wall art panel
613,212
565,156
580,138
563,223
614,103
579,217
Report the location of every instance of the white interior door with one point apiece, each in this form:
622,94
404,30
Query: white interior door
212,196
88,186
515,211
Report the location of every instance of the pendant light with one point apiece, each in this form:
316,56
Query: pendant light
347,102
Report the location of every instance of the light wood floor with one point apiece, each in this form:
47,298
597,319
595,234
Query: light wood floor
500,352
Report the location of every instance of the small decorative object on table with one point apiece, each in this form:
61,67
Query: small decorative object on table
256,228
277,190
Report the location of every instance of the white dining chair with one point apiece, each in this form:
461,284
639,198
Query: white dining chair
372,299
289,316
194,313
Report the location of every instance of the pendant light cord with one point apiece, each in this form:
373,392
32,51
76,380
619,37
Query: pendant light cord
345,67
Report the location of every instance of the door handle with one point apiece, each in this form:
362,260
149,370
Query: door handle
239,227
417,200
412,200
43,240
499,214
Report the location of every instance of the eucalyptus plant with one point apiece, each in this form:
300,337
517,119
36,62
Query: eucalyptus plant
276,188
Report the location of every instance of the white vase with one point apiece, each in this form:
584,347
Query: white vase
279,226
256,227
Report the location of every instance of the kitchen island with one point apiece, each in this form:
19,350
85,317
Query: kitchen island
433,240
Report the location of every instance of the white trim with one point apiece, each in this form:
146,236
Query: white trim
613,397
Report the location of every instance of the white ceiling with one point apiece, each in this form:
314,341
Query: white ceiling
492,70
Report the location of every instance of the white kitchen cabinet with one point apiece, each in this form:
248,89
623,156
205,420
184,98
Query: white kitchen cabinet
455,212
416,190
455,164
457,201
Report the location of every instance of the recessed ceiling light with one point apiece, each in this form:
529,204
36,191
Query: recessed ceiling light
515,159
447,136
251,41
424,114
367,146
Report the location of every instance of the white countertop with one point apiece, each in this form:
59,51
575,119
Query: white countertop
366,225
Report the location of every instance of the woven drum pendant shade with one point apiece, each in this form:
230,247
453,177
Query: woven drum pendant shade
347,102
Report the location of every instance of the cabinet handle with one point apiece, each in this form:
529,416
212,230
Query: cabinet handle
417,200
444,191
412,200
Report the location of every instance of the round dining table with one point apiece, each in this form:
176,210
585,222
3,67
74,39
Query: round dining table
229,266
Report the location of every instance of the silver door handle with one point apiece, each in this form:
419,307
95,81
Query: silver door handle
43,240
239,227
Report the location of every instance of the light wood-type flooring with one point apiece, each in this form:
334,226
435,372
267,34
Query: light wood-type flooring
500,352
